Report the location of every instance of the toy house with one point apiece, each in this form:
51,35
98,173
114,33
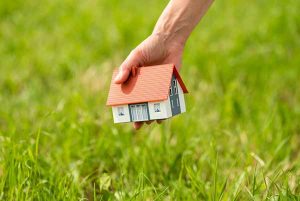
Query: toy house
155,92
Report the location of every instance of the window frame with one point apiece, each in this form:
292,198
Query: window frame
156,107
175,87
174,82
121,111
139,112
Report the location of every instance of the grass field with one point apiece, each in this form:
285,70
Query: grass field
238,140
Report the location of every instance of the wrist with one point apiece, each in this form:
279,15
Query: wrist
169,38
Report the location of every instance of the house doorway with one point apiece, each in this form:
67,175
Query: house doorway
139,112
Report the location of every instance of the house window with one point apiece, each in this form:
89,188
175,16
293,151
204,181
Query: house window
175,87
139,112
156,107
171,92
121,111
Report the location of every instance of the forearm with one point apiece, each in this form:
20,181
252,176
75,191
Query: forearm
180,18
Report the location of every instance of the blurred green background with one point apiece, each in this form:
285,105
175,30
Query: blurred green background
238,140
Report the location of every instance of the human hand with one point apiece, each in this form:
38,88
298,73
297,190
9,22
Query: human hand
156,49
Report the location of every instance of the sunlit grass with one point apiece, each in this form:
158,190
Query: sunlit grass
238,140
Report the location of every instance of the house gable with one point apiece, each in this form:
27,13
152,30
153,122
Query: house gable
174,96
181,99
181,83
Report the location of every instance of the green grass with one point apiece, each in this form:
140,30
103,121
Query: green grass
238,140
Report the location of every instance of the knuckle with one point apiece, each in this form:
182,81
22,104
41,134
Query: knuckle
134,53
138,52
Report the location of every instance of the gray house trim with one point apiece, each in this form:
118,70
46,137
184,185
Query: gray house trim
174,97
147,107
148,111
129,113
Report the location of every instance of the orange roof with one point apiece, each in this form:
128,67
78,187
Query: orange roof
150,84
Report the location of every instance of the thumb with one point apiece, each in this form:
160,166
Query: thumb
133,60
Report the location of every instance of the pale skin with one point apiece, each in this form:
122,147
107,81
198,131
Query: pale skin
166,43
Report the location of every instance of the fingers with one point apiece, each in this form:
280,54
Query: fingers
149,122
137,125
159,121
132,61
122,76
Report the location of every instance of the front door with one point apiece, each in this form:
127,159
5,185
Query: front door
139,112
174,97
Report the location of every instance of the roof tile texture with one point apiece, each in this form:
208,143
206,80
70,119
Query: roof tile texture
150,84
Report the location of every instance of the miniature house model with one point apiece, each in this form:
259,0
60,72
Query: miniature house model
155,92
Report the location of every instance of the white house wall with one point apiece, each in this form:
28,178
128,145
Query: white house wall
181,98
121,119
168,107
163,114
